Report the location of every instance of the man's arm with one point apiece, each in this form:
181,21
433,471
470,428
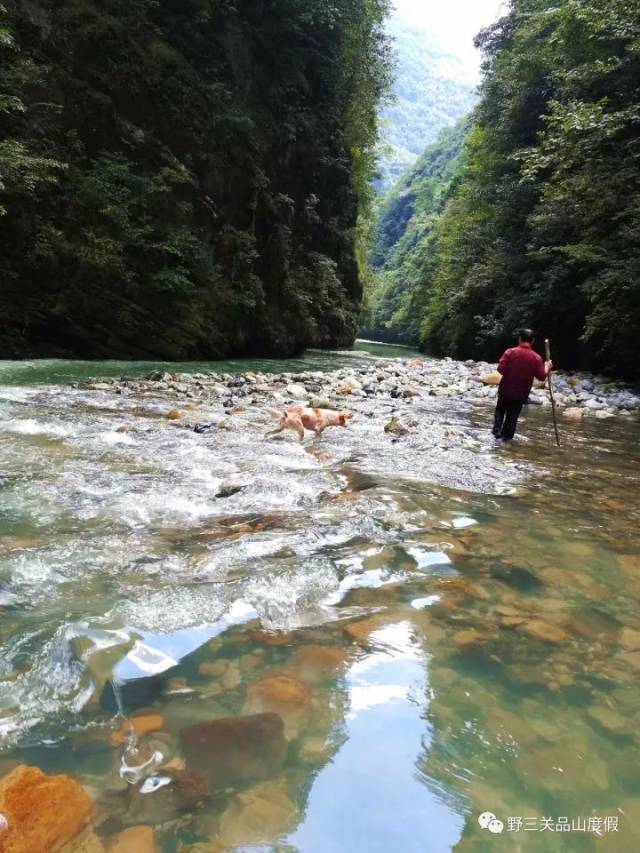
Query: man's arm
503,361
543,369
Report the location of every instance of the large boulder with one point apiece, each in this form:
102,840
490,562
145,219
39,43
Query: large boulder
43,813
494,378
235,750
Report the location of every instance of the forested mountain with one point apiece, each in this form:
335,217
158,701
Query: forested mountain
183,178
432,89
403,241
543,227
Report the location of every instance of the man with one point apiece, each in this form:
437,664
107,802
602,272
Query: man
519,366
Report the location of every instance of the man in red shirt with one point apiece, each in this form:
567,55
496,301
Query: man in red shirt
519,366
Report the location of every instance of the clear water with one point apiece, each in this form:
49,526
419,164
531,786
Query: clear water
462,622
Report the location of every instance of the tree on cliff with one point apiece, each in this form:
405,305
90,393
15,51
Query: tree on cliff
544,226
185,179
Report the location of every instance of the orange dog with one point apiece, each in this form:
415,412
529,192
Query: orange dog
299,418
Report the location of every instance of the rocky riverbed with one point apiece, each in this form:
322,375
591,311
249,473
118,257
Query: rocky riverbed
576,394
214,640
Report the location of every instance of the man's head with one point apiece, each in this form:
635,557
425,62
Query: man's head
526,336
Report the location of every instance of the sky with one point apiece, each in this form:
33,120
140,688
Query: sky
454,23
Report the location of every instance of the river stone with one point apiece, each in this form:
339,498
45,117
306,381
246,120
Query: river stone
611,720
298,392
468,638
573,413
136,839
86,842
234,750
183,792
396,427
630,639
43,813
258,815
359,631
556,768
500,723
229,488
282,695
141,726
174,415
540,630
317,663
492,378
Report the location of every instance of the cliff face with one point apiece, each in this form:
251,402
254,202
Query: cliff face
189,177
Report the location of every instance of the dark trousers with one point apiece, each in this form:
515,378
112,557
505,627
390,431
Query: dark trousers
506,418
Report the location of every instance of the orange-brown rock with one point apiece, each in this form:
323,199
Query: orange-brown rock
136,839
540,630
317,663
141,726
236,749
174,415
43,812
282,695
359,631
468,639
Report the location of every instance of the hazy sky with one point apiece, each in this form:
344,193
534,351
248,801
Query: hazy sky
453,22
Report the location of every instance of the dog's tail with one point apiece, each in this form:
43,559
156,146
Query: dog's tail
274,413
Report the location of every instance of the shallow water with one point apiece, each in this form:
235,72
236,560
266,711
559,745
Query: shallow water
458,623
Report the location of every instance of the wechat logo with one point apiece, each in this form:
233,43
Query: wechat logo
488,820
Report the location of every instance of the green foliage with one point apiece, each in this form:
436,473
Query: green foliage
403,242
185,179
543,226
431,93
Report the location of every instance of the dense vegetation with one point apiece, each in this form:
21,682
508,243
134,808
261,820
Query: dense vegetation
431,92
544,224
404,240
184,178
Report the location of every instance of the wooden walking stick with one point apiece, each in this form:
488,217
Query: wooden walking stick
547,348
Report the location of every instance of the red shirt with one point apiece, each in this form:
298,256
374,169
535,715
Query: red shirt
519,366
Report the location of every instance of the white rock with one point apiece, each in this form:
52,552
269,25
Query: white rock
296,391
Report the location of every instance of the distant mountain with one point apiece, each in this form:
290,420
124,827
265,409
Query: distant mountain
433,89
403,251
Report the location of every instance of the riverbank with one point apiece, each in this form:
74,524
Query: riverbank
576,394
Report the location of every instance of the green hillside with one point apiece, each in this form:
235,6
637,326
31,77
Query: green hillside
403,241
432,90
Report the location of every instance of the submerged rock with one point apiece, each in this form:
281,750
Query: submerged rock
258,815
139,725
136,839
234,750
540,630
317,663
43,812
283,695
172,792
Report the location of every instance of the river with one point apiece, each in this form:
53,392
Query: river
444,631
